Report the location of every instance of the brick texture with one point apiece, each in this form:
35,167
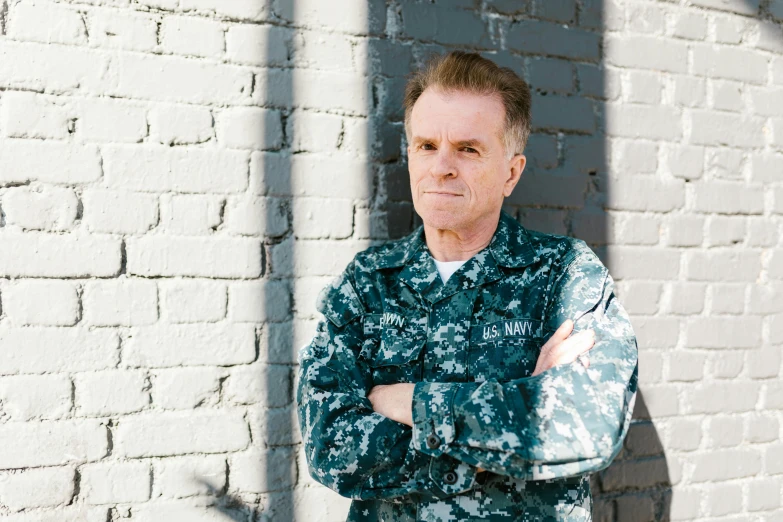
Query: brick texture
179,178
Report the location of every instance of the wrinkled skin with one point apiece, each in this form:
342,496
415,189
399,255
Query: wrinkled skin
470,346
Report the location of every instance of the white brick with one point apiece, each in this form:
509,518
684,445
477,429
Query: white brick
322,218
178,125
724,499
685,161
119,211
643,263
164,434
660,121
243,9
76,513
686,298
762,428
727,364
33,488
193,301
48,162
729,29
639,297
249,216
716,128
320,50
689,91
684,434
111,392
186,388
192,36
27,397
180,511
639,230
766,168
314,132
727,96
31,302
280,466
686,366
40,208
51,68
766,101
261,45
727,298
724,431
115,482
726,464
179,79
249,128
724,332
764,494
769,36
645,87
191,214
762,232
728,198
635,157
691,26
685,231
630,193
723,265
163,169
725,163
327,91
44,22
179,477
766,299
341,15
723,398
123,302
175,345
646,52
313,257
64,256
184,256
122,29
259,302
28,115
337,175
107,120
726,231
269,385
54,349
51,443
730,63
656,332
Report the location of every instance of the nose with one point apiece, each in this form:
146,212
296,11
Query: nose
444,165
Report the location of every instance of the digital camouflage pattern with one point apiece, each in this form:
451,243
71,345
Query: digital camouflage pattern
470,345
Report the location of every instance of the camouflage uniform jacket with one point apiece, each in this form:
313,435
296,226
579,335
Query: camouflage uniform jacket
470,345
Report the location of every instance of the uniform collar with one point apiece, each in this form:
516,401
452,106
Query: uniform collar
510,247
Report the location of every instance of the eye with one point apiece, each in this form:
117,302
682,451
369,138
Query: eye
428,146
470,149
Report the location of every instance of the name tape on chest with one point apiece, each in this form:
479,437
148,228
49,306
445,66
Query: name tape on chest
374,323
505,329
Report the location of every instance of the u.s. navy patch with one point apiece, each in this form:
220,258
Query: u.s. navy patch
507,328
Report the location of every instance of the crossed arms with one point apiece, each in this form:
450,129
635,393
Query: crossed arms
566,420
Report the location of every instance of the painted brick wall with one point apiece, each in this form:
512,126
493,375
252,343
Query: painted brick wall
178,178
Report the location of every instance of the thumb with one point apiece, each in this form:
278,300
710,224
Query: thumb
561,334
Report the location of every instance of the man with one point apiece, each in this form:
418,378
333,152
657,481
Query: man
450,378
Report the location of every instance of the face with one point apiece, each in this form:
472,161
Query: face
459,170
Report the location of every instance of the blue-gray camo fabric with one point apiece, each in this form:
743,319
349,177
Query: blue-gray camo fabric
470,345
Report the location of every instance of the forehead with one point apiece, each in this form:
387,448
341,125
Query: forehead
457,111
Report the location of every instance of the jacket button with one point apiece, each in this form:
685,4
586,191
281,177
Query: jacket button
433,441
450,477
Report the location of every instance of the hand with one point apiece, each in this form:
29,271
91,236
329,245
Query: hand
394,401
561,349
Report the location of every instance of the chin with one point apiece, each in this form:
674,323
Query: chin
442,219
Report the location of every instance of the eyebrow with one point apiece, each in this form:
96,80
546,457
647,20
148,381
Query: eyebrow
462,143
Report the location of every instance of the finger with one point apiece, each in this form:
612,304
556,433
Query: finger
561,334
584,359
576,345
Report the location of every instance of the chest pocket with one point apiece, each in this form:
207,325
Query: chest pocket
393,346
504,350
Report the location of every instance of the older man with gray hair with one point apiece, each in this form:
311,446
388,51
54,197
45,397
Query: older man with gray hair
474,370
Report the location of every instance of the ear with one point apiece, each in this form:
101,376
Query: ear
515,167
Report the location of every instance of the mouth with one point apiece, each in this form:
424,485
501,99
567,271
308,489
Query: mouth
442,193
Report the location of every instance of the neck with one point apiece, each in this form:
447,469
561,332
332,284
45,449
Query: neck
460,244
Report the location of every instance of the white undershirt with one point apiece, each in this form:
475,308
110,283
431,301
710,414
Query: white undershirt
447,268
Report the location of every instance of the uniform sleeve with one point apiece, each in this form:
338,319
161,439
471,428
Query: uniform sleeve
565,421
349,447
